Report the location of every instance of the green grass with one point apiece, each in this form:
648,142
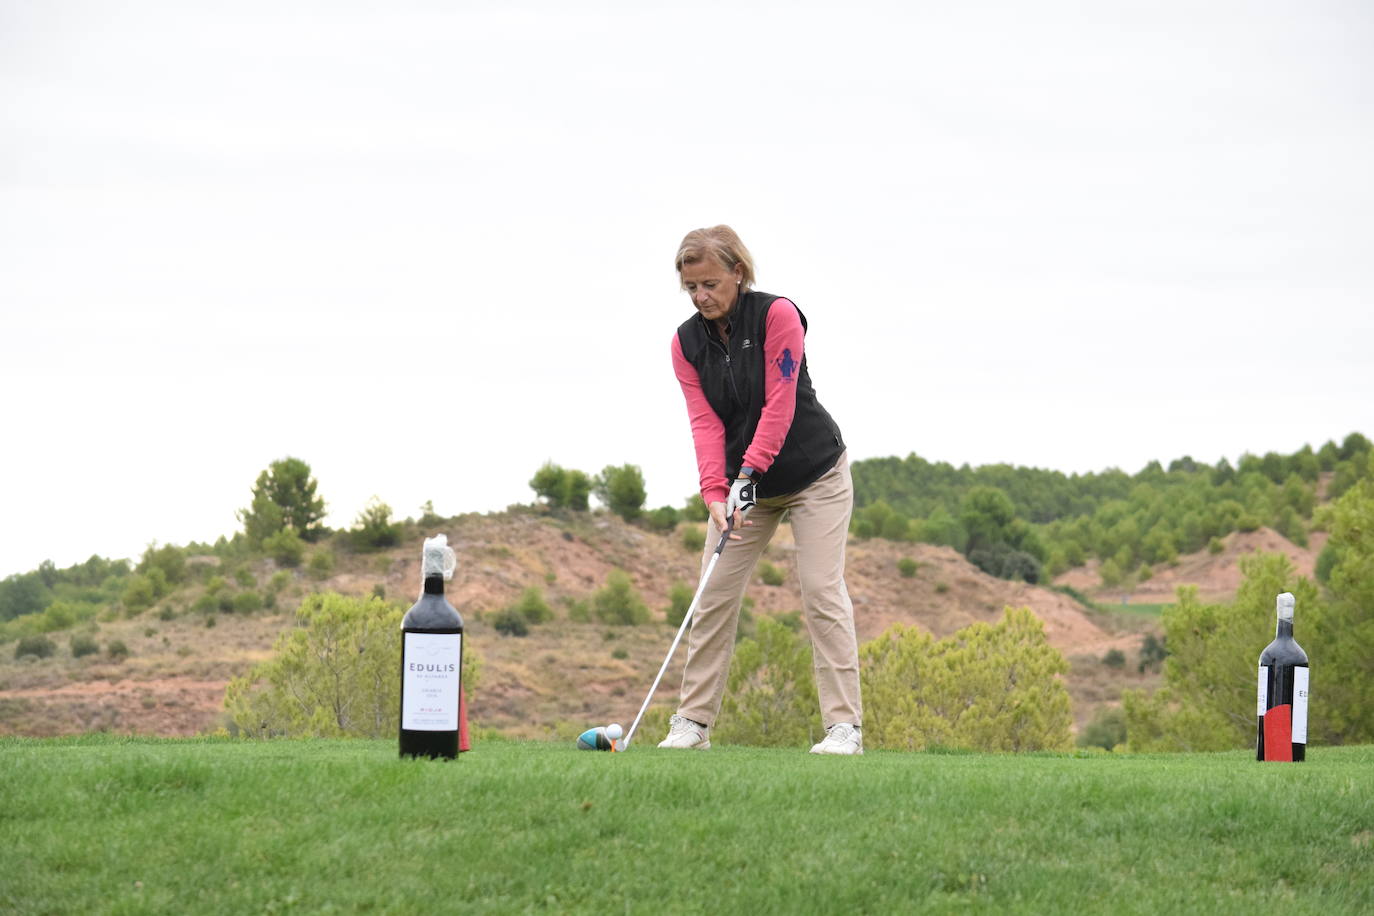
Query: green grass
108,825
1143,610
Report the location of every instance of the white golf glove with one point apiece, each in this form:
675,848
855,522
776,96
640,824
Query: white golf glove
741,498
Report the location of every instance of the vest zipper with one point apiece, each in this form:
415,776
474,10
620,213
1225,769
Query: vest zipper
729,370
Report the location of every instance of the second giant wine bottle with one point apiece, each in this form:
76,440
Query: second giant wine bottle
1282,707
431,662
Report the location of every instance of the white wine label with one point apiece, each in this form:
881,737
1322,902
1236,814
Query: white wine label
1300,705
429,681
1263,706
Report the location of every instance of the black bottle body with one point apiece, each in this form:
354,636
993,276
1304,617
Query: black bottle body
1281,711
431,675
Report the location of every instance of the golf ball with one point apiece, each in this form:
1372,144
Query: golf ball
613,731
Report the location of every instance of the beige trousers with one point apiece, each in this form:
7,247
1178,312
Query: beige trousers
820,525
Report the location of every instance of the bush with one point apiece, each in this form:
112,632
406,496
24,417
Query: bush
907,567
694,509
83,645
117,650
332,675
510,622
618,602
770,695
770,574
988,687
37,646
1215,546
664,518
1106,730
247,602
532,606
285,547
679,599
562,488
579,611
1114,659
244,578
1152,653
694,538
373,529
621,489
321,564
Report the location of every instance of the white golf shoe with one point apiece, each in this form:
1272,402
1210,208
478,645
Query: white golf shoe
840,738
685,734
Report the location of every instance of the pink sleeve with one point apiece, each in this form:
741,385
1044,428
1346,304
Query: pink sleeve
782,356
708,431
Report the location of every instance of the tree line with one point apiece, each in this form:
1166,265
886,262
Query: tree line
1031,523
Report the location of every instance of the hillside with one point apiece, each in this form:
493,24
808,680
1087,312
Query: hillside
1216,575
562,676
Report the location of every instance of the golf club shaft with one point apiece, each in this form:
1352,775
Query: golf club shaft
686,622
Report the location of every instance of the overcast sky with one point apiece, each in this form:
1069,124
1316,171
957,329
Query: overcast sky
426,246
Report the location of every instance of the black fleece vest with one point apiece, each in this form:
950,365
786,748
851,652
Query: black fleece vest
733,378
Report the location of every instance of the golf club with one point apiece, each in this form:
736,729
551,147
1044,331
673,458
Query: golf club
686,621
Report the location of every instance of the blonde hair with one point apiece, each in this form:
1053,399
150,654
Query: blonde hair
724,245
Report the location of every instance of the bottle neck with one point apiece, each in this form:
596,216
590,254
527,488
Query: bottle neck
434,585
1284,629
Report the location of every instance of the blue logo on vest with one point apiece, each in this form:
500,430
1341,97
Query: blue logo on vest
786,365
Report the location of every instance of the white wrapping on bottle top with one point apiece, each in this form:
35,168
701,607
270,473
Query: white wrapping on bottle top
1285,606
439,558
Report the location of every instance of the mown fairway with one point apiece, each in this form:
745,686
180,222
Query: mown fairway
96,825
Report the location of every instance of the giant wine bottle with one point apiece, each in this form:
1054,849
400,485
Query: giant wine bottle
1282,707
431,661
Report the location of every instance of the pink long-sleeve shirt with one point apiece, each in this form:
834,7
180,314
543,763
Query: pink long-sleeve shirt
783,331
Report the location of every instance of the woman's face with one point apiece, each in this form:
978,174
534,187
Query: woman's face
713,288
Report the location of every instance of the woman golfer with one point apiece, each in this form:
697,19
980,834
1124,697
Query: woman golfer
764,446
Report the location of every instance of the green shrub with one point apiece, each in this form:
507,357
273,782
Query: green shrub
205,604
770,574
770,696
321,565
141,592
693,537
1115,659
116,649
247,602
941,587
679,599
579,610
214,585
1106,730
694,509
378,590
988,687
82,645
621,489
618,602
532,606
664,518
374,529
331,675
510,622
37,646
907,567
1215,546
620,653
285,547
562,488
167,613
244,578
